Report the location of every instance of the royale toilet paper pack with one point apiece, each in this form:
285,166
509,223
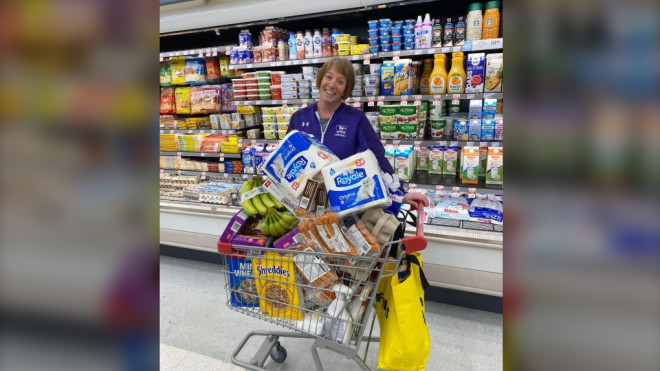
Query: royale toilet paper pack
299,157
355,184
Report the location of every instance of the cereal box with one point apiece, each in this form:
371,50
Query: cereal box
241,282
474,74
275,277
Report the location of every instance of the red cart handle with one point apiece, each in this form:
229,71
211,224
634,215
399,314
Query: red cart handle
416,242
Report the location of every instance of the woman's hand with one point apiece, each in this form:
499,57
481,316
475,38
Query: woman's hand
417,201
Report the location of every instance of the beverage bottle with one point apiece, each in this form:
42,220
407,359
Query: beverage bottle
456,75
474,20
317,47
326,45
437,33
309,47
418,32
427,30
293,51
283,50
333,41
426,76
459,32
491,26
438,77
448,34
300,45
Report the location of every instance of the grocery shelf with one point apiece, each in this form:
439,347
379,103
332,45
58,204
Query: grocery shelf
477,45
201,154
207,131
197,206
445,141
425,180
374,99
206,174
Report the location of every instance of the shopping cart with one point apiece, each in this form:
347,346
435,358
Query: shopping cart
277,302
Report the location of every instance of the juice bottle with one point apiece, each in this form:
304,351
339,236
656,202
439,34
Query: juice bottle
491,22
438,79
456,76
425,79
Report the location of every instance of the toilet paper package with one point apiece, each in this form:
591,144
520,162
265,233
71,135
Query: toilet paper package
494,168
470,165
298,157
355,184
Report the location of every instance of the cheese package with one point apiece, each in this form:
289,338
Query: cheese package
275,276
297,158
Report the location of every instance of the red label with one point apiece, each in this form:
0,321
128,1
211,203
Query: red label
359,162
322,155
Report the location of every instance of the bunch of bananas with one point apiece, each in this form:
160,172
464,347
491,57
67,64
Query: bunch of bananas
260,203
277,223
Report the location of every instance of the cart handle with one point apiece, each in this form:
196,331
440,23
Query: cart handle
416,242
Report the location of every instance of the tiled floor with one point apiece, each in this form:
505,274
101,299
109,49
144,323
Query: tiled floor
198,331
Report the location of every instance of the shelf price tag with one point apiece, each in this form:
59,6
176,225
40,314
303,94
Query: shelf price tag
285,103
356,102
215,52
412,187
222,157
202,154
472,192
347,101
445,50
367,59
455,99
455,191
381,101
396,54
287,63
253,142
395,143
228,50
439,188
178,155
437,100
161,58
457,49
467,45
201,54
418,51
417,145
418,100
240,142
296,62
315,60
404,100
471,96
179,172
249,65
305,61
304,103
202,131
370,101
483,144
162,171
384,142
213,131
203,175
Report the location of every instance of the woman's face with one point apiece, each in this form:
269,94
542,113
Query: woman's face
332,86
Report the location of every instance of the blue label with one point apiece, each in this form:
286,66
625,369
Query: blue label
296,167
467,45
348,199
350,179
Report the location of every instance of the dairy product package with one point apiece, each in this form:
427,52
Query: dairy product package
470,165
249,160
483,155
389,154
460,129
450,160
474,73
422,116
298,157
438,128
499,129
403,163
488,130
474,129
423,158
494,165
387,78
387,116
408,122
436,155
489,109
475,109
355,184
259,155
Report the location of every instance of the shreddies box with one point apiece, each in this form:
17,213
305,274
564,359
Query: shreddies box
275,277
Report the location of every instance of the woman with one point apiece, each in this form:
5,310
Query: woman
342,128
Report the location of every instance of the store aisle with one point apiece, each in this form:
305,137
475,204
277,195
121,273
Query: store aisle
199,332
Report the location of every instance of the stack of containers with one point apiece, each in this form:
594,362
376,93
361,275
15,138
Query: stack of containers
344,44
244,52
251,86
308,81
385,34
439,123
408,31
268,117
358,89
276,84
374,41
397,35
372,84
263,85
374,121
290,85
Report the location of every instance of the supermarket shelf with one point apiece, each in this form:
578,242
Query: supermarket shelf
478,45
201,154
390,98
203,131
198,207
205,174
424,180
445,141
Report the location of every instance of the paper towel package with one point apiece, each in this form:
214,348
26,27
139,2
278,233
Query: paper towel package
298,157
355,184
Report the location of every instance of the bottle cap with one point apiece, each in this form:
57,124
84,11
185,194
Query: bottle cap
457,54
474,6
461,19
448,20
492,4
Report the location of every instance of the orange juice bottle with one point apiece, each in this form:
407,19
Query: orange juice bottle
426,76
456,76
438,78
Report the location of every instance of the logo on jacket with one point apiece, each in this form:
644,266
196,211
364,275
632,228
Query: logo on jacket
305,124
341,130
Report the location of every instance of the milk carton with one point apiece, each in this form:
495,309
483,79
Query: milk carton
460,129
470,165
436,156
388,116
402,163
248,160
475,109
423,158
499,129
483,155
488,130
389,154
450,160
474,73
474,130
495,165
489,109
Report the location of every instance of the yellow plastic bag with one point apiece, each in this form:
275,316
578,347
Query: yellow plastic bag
405,342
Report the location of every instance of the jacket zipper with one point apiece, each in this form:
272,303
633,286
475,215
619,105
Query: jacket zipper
326,126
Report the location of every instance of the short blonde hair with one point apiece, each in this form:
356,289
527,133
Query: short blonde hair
343,66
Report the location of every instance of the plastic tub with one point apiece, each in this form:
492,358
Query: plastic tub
396,46
385,22
385,40
385,31
373,23
267,111
373,32
270,134
407,46
253,133
282,118
268,118
409,39
276,92
344,53
374,48
397,39
386,47
370,80
344,37
374,41
397,24
408,30
372,91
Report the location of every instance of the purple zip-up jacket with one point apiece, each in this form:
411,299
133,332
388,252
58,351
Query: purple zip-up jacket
347,133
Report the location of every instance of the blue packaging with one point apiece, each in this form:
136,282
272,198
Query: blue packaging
460,129
474,130
248,160
408,46
373,24
409,39
241,282
396,46
259,153
385,40
386,47
374,49
398,24
396,31
488,130
397,39
373,32
385,22
374,41
242,56
409,22
385,31
408,30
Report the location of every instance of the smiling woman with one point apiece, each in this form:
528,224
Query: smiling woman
343,129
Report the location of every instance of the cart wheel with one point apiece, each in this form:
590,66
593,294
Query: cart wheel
278,353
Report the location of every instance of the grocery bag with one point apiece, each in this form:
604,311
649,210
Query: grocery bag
405,343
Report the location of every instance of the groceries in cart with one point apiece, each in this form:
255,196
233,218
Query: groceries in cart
309,245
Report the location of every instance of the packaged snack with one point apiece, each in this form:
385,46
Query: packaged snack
165,74
167,101
178,67
227,98
204,100
279,296
212,69
182,98
195,71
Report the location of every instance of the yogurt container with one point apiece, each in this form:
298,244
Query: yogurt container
397,39
253,133
374,41
373,24
233,56
372,91
270,134
252,97
408,30
344,53
282,118
385,22
374,68
276,77
396,46
385,31
269,126
409,46
396,31
373,32
397,24
370,80
385,40
409,22
267,111
387,47
374,48
344,37
409,39
276,92
344,45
